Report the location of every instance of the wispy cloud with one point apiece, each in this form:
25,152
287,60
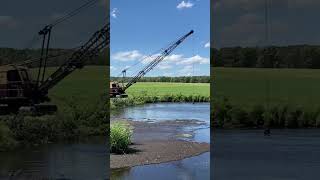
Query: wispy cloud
186,70
127,55
112,68
114,13
184,5
207,45
177,64
194,60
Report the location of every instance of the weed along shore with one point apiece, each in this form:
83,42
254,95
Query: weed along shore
169,132
82,112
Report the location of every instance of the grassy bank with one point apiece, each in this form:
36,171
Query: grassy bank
226,115
278,98
147,92
248,87
82,111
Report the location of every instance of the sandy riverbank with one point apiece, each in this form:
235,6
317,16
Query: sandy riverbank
159,142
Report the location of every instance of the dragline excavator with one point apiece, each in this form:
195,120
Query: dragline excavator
119,89
19,91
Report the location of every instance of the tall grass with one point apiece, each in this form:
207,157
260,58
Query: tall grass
120,137
138,100
227,115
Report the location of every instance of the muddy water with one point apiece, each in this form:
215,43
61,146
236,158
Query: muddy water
82,160
197,167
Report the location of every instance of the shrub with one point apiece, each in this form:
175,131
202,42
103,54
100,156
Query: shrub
6,137
120,137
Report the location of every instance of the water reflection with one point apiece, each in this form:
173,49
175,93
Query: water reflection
190,168
83,160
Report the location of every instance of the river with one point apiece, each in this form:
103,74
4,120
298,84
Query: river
249,155
197,167
76,160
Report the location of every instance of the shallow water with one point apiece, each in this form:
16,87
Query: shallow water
83,160
166,111
248,154
190,168
197,167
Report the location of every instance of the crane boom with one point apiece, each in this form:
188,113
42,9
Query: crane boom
156,61
91,48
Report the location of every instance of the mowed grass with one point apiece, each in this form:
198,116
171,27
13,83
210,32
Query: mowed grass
161,89
82,88
248,87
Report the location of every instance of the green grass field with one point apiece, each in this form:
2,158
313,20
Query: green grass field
160,89
83,87
248,87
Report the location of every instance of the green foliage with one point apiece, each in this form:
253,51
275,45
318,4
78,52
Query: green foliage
145,92
227,115
120,137
7,140
248,87
300,56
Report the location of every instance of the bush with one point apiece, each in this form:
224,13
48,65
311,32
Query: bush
6,137
120,137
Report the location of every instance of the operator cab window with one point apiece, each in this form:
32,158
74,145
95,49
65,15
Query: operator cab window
13,76
24,75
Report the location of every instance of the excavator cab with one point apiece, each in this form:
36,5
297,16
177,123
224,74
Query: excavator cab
17,91
116,90
14,82
15,86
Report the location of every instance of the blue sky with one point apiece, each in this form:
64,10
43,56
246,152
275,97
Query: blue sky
140,28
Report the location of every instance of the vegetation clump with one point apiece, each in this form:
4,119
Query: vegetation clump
227,115
120,137
6,137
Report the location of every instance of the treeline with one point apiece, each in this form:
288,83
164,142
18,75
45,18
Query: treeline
59,56
299,56
180,79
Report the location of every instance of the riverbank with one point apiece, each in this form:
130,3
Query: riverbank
156,92
155,152
24,130
169,98
160,142
227,115
182,127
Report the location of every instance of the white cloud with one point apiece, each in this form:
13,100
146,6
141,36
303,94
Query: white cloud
164,66
207,45
194,60
174,58
184,5
186,70
114,13
112,68
175,63
127,55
